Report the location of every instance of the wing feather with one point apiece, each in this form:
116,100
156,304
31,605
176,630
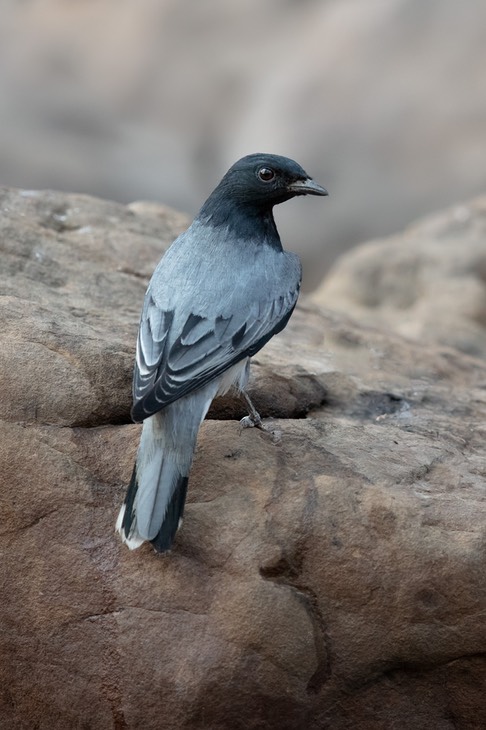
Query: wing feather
171,364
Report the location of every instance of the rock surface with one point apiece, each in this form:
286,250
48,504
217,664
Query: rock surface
427,283
74,270
334,579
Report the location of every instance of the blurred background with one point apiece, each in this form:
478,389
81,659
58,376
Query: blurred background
382,101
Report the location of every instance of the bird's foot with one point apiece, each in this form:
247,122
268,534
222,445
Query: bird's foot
254,420
251,422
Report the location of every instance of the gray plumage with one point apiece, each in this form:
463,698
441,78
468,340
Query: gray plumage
220,292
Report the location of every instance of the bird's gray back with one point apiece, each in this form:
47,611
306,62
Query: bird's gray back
213,300
208,272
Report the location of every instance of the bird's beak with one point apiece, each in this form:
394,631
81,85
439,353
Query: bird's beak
307,187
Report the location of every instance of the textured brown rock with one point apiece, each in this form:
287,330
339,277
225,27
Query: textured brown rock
72,278
334,579
427,283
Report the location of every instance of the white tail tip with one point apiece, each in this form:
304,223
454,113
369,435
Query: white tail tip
132,541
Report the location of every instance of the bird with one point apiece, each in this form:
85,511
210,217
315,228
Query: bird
221,291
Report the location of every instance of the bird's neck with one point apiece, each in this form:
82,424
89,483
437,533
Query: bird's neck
246,223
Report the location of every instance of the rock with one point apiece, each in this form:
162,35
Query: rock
74,271
427,283
334,579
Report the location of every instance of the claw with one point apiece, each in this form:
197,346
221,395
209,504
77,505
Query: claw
254,420
247,422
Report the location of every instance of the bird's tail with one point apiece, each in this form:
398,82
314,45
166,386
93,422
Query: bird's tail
156,495
133,534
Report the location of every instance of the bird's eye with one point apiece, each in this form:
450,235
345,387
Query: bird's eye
266,174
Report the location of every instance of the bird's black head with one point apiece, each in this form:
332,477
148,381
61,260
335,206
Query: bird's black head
244,198
260,181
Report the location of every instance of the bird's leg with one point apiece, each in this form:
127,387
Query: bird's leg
253,419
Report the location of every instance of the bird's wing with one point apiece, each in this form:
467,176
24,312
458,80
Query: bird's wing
171,363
